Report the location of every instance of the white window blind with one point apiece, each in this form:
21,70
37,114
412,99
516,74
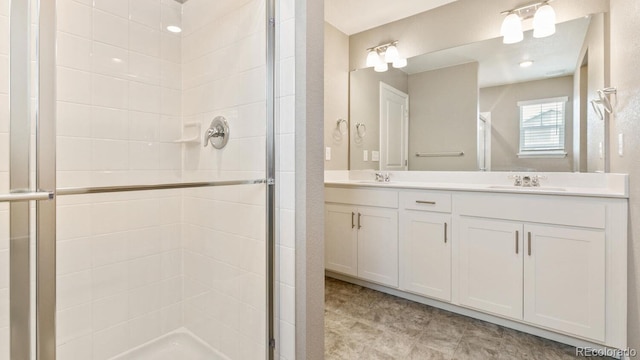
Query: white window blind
542,126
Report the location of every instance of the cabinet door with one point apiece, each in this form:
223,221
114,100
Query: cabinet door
341,241
425,254
564,277
378,245
491,266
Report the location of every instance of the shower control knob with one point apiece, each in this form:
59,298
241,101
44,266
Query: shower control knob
218,133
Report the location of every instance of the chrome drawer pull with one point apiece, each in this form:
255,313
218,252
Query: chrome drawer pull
425,202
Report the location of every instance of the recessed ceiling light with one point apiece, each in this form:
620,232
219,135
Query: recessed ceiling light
526,63
174,29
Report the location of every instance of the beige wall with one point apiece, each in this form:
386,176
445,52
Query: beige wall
336,96
443,116
502,101
465,21
625,51
590,133
309,181
365,108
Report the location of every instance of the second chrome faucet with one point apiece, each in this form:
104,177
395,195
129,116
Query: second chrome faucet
383,177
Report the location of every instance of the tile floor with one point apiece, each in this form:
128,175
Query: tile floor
361,323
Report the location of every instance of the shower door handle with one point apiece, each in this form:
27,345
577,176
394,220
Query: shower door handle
27,196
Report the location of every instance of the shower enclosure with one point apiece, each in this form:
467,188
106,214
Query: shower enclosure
122,235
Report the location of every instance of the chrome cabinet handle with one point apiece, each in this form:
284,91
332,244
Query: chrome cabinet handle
359,221
425,202
529,242
445,232
352,221
517,242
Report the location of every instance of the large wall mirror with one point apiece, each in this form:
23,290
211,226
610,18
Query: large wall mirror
485,105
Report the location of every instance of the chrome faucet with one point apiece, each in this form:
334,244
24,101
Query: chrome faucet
535,180
517,180
526,181
383,177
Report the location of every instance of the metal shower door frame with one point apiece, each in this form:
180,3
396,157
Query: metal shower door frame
21,191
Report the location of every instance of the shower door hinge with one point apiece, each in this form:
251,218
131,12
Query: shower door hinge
272,343
271,181
272,21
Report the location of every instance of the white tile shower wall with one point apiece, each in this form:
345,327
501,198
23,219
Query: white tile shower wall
119,271
285,32
4,179
119,110
119,92
224,73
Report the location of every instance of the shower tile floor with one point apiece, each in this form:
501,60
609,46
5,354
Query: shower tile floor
361,323
180,345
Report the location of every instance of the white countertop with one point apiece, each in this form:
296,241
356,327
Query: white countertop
563,184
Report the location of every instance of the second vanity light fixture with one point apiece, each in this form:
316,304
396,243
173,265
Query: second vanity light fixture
379,57
544,21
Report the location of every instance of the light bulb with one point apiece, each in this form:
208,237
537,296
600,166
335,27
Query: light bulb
373,59
544,22
400,63
392,54
511,29
174,29
526,63
381,67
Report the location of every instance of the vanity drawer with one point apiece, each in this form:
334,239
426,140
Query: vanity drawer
366,197
426,201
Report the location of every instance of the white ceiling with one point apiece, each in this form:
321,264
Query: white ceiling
354,16
553,56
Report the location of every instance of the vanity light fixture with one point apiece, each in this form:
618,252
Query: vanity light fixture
511,30
379,57
373,58
392,54
381,67
544,21
400,63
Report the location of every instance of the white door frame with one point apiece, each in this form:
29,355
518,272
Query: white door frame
486,116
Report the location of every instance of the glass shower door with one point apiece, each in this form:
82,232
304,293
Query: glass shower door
27,184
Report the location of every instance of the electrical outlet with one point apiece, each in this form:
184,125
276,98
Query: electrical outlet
327,153
375,155
620,144
601,150
365,155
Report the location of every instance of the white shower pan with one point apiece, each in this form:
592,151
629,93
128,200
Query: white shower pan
180,344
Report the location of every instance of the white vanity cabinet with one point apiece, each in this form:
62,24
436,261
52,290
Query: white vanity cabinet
535,259
361,240
564,279
341,239
547,275
378,245
425,244
490,262
552,265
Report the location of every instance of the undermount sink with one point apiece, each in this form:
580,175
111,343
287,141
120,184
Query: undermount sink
527,188
373,182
